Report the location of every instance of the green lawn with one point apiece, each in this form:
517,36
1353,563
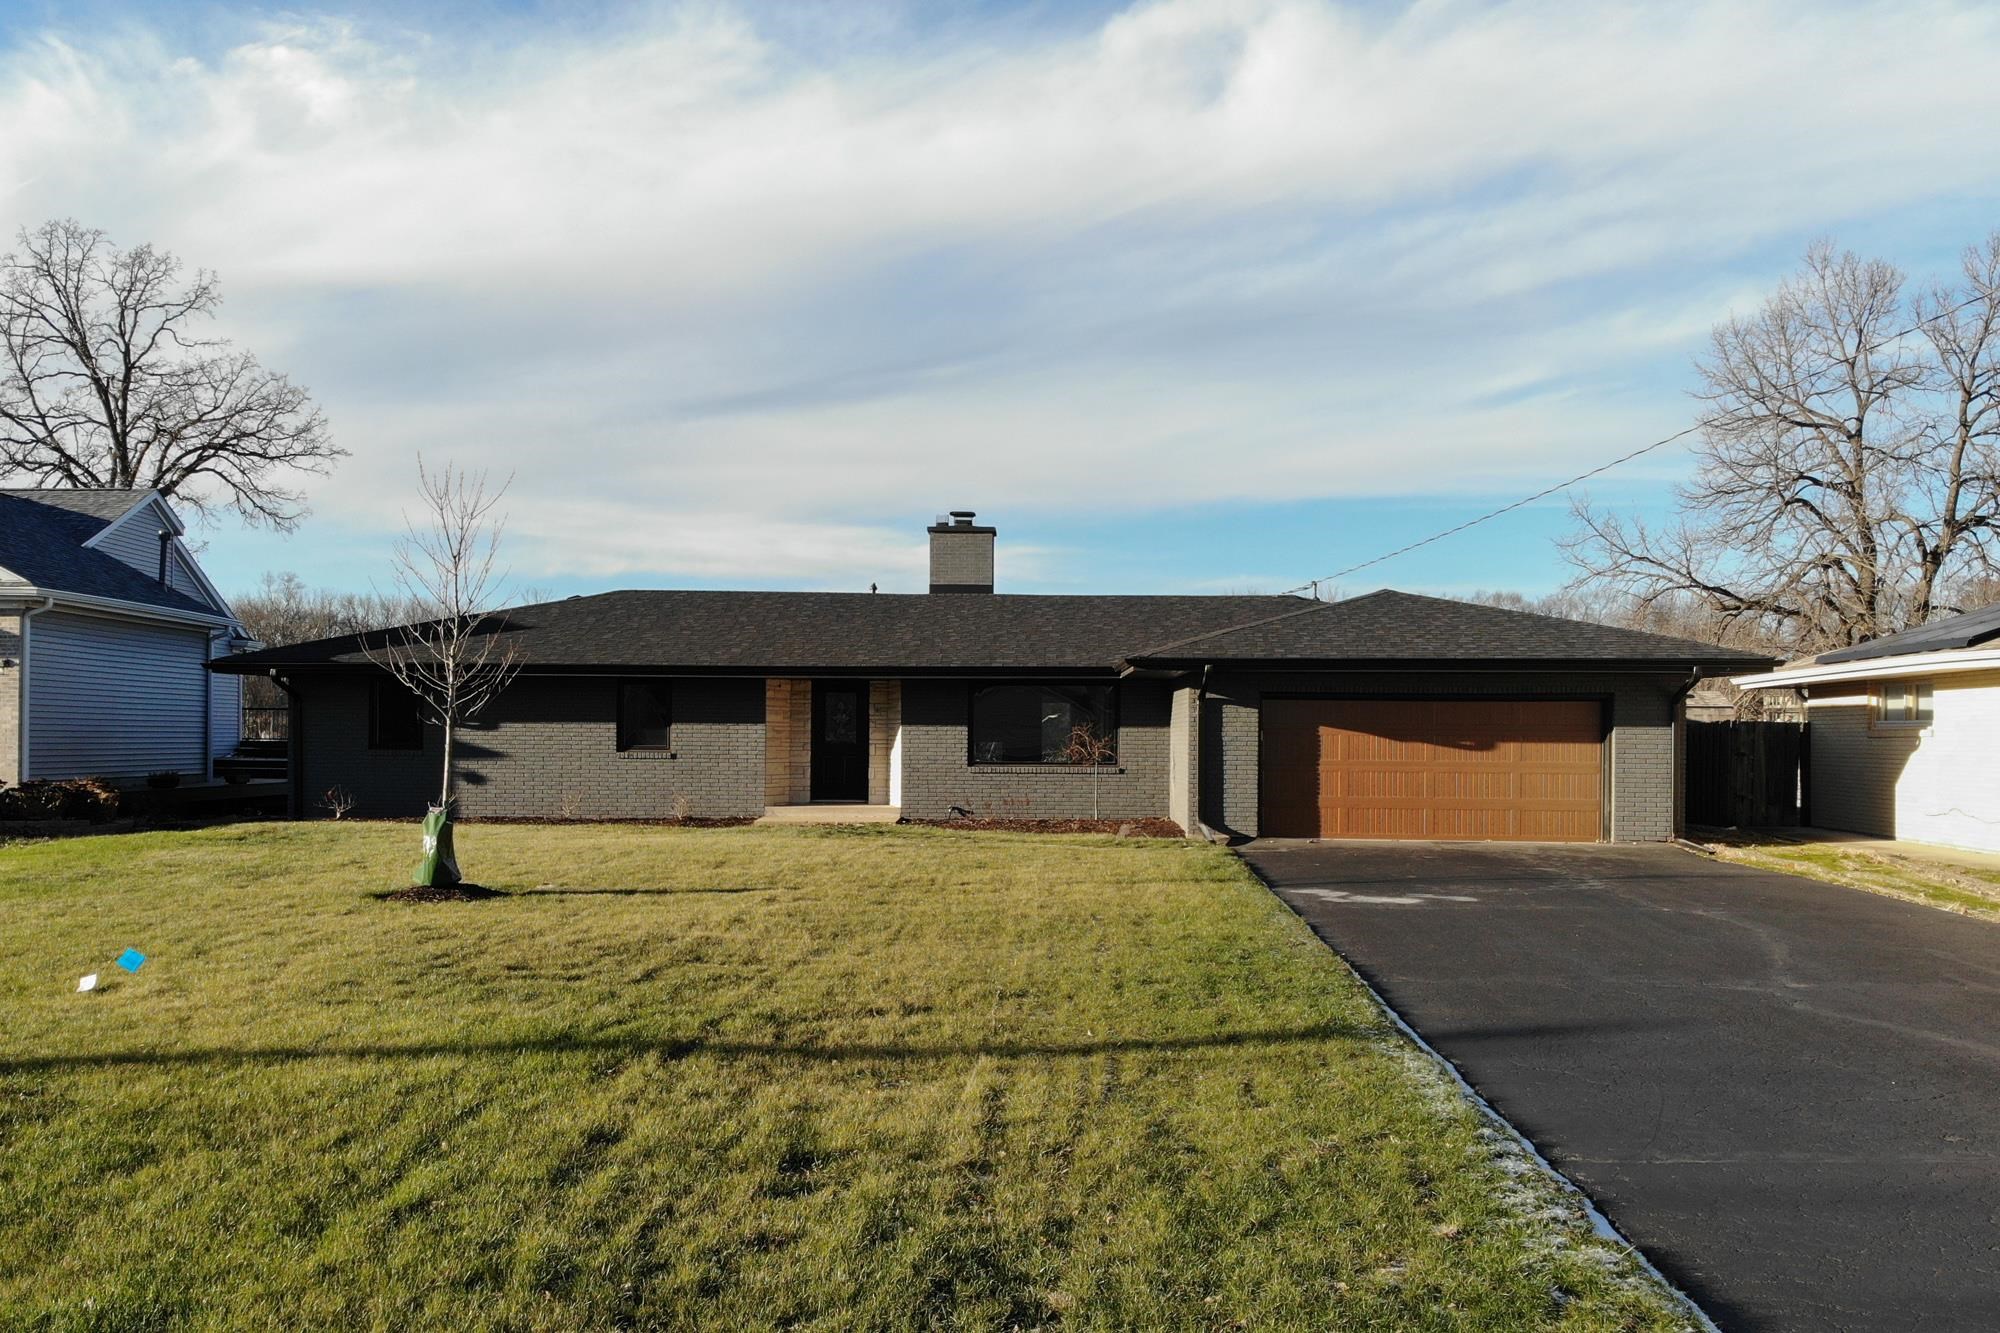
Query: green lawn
743,1078
1966,889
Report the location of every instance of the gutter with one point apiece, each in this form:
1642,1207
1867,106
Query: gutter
634,671
295,745
1945,661
135,610
1606,666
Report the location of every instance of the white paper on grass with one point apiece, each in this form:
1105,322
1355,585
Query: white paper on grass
88,983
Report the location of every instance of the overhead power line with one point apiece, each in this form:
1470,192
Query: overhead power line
1312,585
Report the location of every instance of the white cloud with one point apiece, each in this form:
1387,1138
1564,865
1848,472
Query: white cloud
733,302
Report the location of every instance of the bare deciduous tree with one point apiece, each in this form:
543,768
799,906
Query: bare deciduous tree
457,659
1848,479
1087,745
104,383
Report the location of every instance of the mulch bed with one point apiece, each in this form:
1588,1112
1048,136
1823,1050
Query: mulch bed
456,893
1125,828
693,821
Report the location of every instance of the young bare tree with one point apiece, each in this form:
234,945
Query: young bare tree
1848,475
1087,745
457,659
105,383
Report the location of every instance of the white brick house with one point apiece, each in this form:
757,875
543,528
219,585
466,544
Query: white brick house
1904,732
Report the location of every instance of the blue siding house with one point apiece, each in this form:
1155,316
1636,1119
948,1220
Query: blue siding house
107,626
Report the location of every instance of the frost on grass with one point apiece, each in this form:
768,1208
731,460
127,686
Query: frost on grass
1553,1216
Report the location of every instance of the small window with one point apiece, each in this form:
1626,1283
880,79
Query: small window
1904,703
1037,724
645,715
395,717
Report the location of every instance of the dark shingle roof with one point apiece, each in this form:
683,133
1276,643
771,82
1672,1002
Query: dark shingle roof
1400,627
102,505
1962,631
42,536
806,633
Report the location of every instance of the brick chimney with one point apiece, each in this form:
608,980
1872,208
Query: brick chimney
961,554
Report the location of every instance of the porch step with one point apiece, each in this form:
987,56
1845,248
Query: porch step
831,812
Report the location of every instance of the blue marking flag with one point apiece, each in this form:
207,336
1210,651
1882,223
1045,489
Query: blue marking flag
131,960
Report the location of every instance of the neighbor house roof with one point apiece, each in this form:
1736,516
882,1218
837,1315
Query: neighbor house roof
1961,631
1962,643
808,633
43,548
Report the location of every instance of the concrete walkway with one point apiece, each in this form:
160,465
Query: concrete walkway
831,812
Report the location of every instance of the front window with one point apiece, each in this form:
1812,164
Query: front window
1044,724
645,715
1904,703
395,717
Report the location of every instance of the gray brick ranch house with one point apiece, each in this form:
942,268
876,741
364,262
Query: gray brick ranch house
1383,716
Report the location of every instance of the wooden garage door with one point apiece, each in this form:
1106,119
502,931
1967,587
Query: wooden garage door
1487,769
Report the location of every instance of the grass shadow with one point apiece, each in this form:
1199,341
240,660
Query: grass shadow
683,1048
556,891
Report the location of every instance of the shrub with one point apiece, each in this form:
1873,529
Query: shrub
163,779
71,798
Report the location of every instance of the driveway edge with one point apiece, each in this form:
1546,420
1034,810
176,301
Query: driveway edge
1599,1223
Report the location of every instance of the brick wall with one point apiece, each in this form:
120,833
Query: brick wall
938,773
885,719
1934,784
548,747
787,742
1853,773
961,559
1183,757
1641,755
10,699
1229,719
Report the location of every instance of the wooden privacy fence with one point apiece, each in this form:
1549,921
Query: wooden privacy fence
1749,774
266,724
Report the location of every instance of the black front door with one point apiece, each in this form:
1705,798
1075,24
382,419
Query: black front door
840,740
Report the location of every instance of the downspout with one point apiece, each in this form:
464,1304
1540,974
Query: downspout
295,745
27,613
208,707
1679,715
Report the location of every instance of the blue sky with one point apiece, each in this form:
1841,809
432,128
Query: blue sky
1189,295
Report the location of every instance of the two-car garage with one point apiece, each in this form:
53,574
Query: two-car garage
1528,770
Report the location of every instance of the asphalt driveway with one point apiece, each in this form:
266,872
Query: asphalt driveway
1786,1093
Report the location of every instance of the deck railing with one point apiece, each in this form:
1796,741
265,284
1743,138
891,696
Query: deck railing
266,724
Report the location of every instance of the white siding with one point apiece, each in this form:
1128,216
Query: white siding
114,698
1938,784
